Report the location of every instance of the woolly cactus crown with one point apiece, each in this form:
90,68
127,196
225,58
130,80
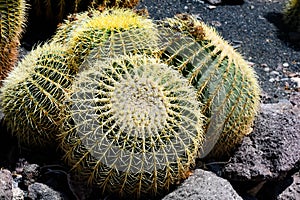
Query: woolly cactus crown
133,127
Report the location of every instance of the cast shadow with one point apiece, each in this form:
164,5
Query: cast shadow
284,33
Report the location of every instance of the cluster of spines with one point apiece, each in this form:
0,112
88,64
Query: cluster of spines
133,126
12,19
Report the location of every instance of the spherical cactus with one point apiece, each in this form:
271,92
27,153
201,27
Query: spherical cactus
291,15
33,93
133,126
225,83
12,19
93,28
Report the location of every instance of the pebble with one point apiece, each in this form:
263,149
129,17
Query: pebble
274,73
297,81
211,7
285,64
285,79
271,80
267,69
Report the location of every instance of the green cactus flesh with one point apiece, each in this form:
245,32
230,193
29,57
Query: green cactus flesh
291,15
225,83
93,28
133,126
32,95
12,19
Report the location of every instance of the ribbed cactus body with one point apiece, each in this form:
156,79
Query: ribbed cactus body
12,19
225,83
291,15
133,126
33,93
94,28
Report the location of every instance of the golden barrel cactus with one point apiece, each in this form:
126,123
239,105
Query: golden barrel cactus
133,126
12,19
91,29
33,93
225,83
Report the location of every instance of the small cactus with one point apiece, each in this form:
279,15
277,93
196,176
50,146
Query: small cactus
12,19
33,93
291,15
225,83
87,30
133,126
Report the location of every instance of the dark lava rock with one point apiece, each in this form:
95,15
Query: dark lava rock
39,191
30,173
6,181
272,149
293,191
263,164
204,185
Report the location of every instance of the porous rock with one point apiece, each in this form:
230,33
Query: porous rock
204,185
293,191
6,184
272,149
42,192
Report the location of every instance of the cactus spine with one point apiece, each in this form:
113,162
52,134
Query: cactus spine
133,126
33,93
224,82
12,19
291,15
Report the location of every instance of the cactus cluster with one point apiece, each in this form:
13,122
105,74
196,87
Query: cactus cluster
12,19
225,83
291,15
37,86
133,103
133,126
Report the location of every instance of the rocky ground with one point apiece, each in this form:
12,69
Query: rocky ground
267,163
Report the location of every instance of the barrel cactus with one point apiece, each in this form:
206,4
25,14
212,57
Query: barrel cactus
133,126
93,28
12,19
291,15
225,83
33,93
